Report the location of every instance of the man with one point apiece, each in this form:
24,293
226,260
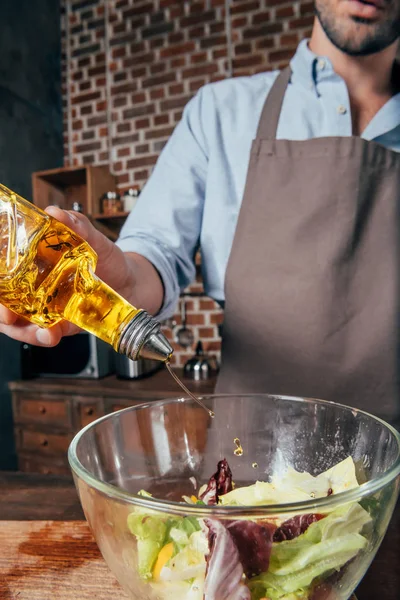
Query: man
304,252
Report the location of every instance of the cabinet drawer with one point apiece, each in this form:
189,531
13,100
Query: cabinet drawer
43,410
32,464
45,443
89,412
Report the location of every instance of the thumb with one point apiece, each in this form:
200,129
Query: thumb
81,225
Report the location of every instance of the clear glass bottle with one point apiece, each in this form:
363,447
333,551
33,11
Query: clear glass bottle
47,274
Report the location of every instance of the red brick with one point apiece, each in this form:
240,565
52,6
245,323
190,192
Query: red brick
157,43
213,347
97,120
100,106
217,318
175,89
137,48
289,39
247,61
195,319
217,28
86,110
302,22
158,67
174,103
142,149
124,88
123,127
209,42
100,82
255,32
286,11
161,120
198,71
142,123
177,50
265,43
118,52
178,62
99,70
76,125
120,101
196,33
238,22
157,94
281,55
123,179
86,97
144,161
176,11
160,80
158,133
204,17
307,8
220,53
206,332
142,9
138,111
141,175
121,152
103,132
207,304
196,7
88,147
196,84
125,139
138,98
242,49
138,59
199,57
176,37
263,17
138,72
244,7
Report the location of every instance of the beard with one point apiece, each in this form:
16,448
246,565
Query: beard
360,37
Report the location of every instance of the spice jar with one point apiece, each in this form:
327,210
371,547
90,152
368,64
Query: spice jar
111,203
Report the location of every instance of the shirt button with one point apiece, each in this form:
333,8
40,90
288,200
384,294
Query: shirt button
341,109
321,64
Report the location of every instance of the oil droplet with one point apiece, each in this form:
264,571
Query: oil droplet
312,494
254,465
238,450
211,413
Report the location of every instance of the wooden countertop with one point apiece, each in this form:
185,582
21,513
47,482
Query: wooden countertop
157,386
37,508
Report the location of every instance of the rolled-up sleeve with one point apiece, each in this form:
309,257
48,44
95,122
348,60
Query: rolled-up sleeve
165,224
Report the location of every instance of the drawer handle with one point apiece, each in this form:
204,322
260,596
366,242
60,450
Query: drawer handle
89,411
42,410
44,443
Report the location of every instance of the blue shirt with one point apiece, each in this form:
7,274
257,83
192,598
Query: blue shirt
195,191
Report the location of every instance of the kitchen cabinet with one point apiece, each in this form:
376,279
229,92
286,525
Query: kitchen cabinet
48,413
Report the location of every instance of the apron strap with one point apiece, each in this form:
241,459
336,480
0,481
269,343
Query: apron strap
269,119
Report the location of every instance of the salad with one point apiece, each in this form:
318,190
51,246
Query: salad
188,558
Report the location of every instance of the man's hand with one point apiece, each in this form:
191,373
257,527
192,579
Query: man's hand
119,270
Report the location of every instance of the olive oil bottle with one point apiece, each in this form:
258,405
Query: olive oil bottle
47,273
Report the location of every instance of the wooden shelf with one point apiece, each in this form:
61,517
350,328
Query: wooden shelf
105,217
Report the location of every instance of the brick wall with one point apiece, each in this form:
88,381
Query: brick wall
159,53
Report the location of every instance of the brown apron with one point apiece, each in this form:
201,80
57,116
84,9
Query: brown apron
312,282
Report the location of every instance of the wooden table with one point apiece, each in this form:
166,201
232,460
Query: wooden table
48,553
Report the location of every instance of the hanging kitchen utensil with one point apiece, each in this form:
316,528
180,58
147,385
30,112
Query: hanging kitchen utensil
200,366
184,336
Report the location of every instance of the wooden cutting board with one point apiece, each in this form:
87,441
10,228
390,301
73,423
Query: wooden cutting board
53,560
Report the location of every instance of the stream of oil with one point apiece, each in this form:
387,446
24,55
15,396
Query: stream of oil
179,382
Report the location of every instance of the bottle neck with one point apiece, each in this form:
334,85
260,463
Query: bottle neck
142,338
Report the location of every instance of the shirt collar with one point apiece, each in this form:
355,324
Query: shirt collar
308,68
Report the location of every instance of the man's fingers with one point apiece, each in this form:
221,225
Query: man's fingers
7,317
26,332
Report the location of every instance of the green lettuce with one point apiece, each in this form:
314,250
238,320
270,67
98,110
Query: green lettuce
326,546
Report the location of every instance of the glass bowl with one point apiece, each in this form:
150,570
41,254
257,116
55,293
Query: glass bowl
164,547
